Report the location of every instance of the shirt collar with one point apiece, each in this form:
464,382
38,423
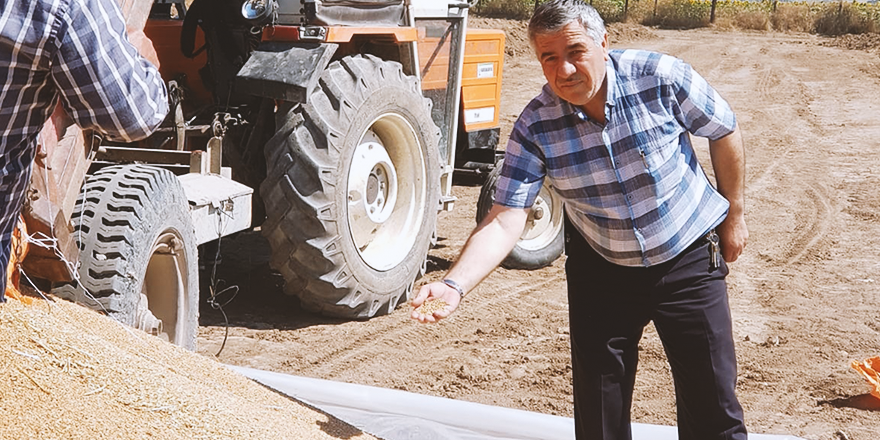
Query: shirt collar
612,87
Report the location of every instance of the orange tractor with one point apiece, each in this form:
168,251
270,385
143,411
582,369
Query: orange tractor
333,125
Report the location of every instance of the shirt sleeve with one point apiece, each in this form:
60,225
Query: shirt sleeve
523,173
701,110
103,82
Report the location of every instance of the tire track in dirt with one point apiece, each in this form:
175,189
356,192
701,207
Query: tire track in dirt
393,331
769,82
789,102
814,223
814,208
768,90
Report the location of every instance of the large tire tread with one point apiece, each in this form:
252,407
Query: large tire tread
303,223
115,206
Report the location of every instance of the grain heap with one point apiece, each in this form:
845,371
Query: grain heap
69,373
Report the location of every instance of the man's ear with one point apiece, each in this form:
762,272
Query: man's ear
605,47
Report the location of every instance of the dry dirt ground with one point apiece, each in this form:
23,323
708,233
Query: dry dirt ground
804,295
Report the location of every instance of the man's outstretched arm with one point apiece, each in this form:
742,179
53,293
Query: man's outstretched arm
487,246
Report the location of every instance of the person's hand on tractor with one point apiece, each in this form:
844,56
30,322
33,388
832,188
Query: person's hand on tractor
434,302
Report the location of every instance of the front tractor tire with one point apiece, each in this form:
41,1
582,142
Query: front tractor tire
352,192
138,252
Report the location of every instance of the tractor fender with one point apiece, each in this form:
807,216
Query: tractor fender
284,70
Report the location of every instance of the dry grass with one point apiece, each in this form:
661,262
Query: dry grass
821,17
792,18
752,20
841,19
680,14
511,9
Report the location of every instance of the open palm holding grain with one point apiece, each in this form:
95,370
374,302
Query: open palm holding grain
434,302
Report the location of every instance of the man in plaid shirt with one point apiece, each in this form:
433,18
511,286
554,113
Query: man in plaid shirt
611,132
75,52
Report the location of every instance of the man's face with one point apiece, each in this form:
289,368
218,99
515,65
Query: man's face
573,63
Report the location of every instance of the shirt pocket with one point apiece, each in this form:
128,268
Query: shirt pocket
663,159
661,146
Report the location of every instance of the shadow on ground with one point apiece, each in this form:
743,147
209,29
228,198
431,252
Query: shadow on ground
862,401
248,290
251,293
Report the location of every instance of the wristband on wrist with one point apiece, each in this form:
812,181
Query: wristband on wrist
454,285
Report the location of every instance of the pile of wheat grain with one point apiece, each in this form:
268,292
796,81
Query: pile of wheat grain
69,373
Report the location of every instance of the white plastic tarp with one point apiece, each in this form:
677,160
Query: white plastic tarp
400,415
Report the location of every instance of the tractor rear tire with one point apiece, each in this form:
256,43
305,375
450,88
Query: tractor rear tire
542,241
353,189
138,252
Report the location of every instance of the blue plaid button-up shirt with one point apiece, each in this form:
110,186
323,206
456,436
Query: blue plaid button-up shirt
73,52
633,187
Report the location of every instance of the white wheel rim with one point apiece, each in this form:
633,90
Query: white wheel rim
163,294
386,192
372,185
544,222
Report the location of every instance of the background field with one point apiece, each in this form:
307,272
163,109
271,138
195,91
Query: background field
826,18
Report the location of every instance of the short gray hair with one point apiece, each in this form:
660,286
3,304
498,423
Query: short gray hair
553,15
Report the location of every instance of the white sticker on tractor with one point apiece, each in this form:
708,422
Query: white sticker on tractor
485,70
477,115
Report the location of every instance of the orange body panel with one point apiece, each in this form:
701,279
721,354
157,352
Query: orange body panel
165,35
481,74
481,78
342,34
433,61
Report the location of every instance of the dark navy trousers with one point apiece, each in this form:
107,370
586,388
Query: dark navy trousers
609,307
